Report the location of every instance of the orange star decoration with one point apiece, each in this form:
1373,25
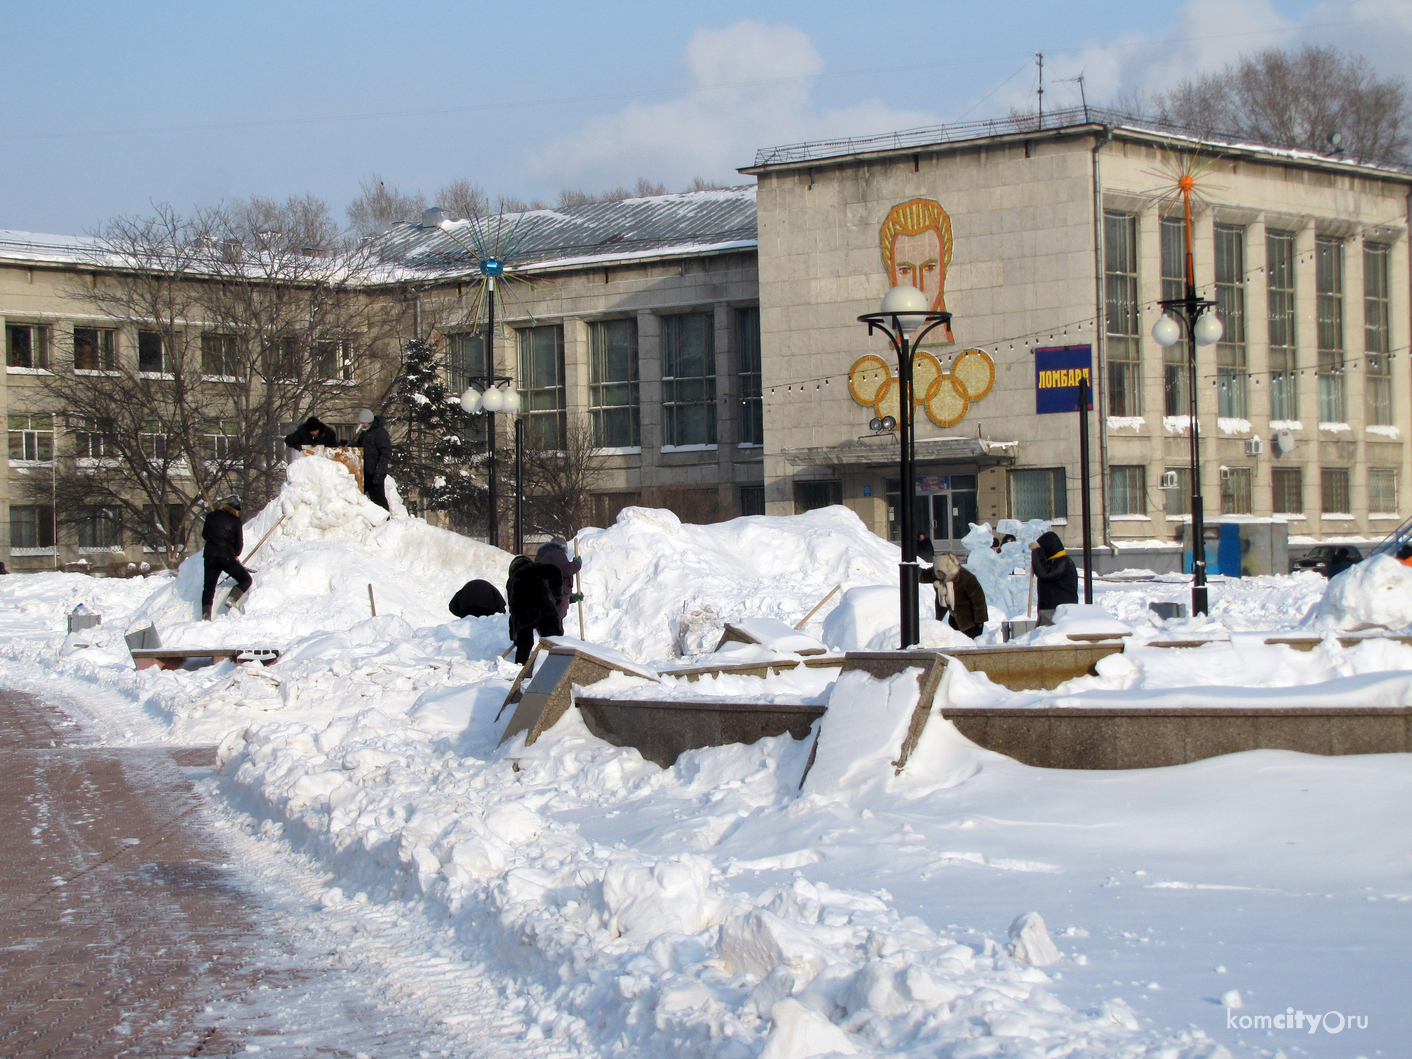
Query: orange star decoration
947,394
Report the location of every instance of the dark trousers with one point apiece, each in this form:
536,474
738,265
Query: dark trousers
549,625
375,491
214,569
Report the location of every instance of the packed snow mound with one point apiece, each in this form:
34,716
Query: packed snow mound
869,618
648,573
1373,594
328,546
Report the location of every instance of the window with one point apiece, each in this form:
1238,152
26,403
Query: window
1382,490
1377,337
31,438
689,379
465,360
1232,376
284,360
333,360
1121,314
99,529
1328,285
612,384
541,377
92,440
747,344
1279,278
31,526
811,495
26,346
1288,491
1179,495
1176,398
1236,483
1127,490
95,349
1333,491
154,442
1040,492
155,530
220,441
218,356
752,499
151,353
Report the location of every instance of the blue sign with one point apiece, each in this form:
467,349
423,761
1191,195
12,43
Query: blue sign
1057,371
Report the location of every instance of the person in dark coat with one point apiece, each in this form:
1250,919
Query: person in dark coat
376,444
477,599
1404,555
224,539
926,551
532,592
313,431
1341,561
1056,573
554,551
960,599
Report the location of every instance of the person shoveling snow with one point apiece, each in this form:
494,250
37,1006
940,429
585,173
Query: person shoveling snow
224,540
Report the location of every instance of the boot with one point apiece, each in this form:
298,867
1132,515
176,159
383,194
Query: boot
206,613
234,597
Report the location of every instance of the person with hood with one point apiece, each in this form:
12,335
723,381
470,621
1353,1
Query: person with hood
224,539
959,596
532,592
477,599
1056,573
555,552
313,431
376,444
1342,560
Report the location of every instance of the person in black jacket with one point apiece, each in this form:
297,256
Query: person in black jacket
1056,573
313,431
376,444
477,599
532,591
224,540
926,550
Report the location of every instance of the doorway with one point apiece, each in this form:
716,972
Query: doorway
946,507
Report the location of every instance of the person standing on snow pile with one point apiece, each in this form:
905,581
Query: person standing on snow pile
532,592
1056,573
224,539
313,431
959,596
556,553
376,444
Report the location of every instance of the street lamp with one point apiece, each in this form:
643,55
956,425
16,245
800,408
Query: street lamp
906,318
1203,328
493,400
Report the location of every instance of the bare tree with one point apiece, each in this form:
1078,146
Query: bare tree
463,198
643,189
702,184
379,207
1298,99
559,483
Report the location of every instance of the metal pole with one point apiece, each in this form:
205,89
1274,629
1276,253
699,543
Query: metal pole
520,487
1190,311
1084,489
492,530
907,571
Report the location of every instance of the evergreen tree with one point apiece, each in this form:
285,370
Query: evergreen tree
436,457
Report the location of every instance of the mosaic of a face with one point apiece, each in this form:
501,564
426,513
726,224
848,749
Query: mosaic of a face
915,240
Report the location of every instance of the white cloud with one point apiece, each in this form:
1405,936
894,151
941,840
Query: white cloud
748,86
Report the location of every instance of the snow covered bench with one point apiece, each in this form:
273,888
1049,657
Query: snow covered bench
198,657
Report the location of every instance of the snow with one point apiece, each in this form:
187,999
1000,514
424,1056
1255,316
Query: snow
1386,430
966,906
1133,423
1232,425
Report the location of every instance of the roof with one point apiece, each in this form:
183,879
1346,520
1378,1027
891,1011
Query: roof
39,247
691,223
1060,121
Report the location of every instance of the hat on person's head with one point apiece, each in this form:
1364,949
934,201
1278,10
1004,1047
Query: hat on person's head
558,542
232,501
366,416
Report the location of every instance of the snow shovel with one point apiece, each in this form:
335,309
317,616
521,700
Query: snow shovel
578,588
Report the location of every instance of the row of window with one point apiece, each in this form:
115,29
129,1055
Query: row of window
95,527
1128,495
97,348
689,385
31,439
1235,382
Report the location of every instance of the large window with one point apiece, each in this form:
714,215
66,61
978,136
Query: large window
99,529
218,356
26,346
1122,341
31,526
747,344
1175,395
1328,281
541,379
1279,278
155,443
808,496
151,353
1382,491
752,499
1127,490
1333,491
1178,495
220,441
465,360
1288,491
333,360
95,349
1232,375
285,360
155,528
612,384
1236,491
31,438
1377,338
93,440
1039,492
689,379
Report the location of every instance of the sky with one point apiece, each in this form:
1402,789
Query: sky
112,108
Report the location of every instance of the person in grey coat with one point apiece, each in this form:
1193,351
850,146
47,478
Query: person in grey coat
376,444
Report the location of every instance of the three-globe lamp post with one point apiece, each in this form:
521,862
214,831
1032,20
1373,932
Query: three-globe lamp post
493,399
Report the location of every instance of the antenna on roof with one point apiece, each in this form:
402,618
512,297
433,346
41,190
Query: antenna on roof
1040,56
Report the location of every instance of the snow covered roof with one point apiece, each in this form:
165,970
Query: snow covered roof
40,247
689,223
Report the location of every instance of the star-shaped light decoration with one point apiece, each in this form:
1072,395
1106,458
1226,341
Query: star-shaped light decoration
1185,177
493,245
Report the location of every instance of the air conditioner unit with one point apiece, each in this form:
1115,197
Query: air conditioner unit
1254,446
1169,480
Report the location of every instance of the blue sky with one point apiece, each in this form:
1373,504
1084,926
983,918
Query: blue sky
111,107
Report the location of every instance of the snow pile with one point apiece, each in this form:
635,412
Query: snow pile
1373,594
1005,596
870,619
329,545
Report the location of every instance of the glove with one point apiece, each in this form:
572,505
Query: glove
577,597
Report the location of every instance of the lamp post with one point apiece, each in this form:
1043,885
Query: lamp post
905,317
1202,328
491,401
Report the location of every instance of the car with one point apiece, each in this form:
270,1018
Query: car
1319,557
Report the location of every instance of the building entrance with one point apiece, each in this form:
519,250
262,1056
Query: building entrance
946,507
